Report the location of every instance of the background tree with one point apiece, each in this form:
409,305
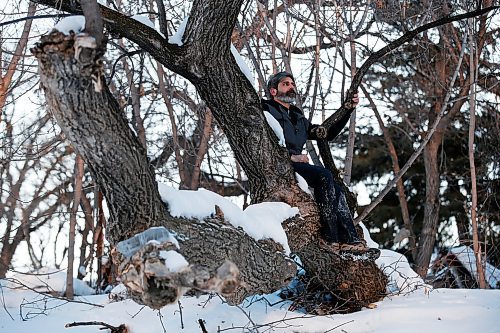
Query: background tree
34,181
424,67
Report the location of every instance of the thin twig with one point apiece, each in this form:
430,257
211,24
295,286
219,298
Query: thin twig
3,303
249,318
34,18
161,321
180,311
114,329
202,325
333,328
51,296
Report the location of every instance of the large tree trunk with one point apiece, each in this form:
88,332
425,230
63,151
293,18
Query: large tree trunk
99,131
91,119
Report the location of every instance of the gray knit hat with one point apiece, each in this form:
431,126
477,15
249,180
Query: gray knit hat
275,79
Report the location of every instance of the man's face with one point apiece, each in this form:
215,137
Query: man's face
285,91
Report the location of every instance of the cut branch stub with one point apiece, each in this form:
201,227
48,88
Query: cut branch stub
149,280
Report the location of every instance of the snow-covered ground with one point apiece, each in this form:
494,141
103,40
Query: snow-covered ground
412,307
423,310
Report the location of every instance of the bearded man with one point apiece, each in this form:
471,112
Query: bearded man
337,227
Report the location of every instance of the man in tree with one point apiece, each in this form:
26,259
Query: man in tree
338,231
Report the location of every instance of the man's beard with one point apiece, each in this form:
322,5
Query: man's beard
287,97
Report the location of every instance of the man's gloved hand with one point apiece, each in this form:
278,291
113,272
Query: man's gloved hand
320,132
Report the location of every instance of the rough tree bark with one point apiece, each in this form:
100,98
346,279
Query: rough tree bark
91,120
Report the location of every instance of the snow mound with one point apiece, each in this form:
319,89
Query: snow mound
466,256
259,221
402,278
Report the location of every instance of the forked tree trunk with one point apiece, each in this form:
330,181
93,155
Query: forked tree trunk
92,121
89,116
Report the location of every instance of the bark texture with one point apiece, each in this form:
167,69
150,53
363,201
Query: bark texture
98,130
352,281
91,120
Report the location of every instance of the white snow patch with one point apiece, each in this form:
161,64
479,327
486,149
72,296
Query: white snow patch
302,183
144,20
71,23
47,280
147,22
260,221
395,265
177,37
276,127
242,64
119,289
174,260
366,235
153,235
466,256
82,271
442,310
401,277
132,128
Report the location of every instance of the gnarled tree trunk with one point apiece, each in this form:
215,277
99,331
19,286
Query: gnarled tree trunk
78,97
99,131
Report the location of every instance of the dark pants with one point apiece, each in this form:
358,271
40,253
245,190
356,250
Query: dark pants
336,220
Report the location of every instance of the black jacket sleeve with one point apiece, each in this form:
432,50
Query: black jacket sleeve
335,130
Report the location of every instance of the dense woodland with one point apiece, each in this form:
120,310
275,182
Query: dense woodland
85,133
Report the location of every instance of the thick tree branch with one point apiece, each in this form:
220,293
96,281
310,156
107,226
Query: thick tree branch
162,17
94,25
216,24
372,59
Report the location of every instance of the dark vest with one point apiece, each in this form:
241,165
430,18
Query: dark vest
295,125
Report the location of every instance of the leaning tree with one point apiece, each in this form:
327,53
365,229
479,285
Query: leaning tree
221,257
